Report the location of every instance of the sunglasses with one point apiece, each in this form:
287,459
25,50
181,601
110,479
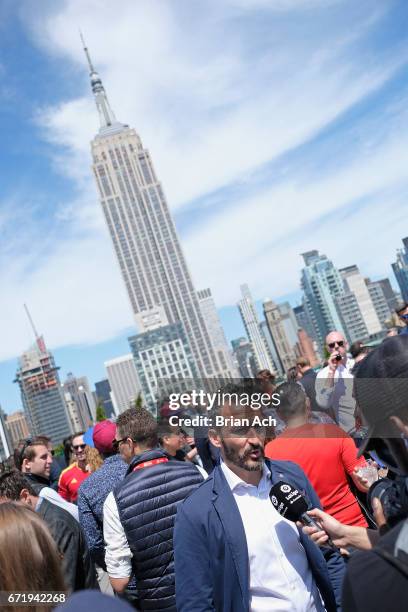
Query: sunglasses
333,344
78,446
117,443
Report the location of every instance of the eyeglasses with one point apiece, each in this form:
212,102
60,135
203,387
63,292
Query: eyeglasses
339,343
78,446
117,443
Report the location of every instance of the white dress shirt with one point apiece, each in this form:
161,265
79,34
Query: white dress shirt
280,578
338,397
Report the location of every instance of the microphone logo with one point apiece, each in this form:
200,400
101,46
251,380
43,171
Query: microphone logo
285,488
274,500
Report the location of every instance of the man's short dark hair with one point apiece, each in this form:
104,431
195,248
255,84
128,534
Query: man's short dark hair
42,439
139,425
292,400
76,435
27,449
165,429
12,483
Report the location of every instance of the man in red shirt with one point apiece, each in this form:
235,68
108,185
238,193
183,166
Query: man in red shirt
324,451
71,478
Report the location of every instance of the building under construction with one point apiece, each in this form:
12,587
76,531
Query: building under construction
41,393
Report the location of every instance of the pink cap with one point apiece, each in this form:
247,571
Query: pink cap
103,434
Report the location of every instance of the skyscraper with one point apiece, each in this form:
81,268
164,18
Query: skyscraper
103,394
245,357
6,447
164,362
400,268
124,381
143,232
41,393
216,332
321,283
251,323
355,283
80,393
286,345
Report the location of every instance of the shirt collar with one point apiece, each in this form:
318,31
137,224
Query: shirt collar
235,481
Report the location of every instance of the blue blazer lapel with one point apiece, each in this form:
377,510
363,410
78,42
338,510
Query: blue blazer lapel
227,510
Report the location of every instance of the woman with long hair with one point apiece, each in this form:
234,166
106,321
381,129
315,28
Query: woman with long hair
29,559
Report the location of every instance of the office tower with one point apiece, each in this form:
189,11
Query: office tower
263,326
280,326
17,427
41,393
321,282
250,319
74,413
142,229
380,302
123,381
400,268
307,348
6,445
80,393
355,283
245,357
164,362
216,332
350,313
103,395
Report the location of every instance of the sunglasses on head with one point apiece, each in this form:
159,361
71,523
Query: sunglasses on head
333,344
26,444
78,446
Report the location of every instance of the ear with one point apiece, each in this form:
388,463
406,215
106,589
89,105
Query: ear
214,437
25,467
25,497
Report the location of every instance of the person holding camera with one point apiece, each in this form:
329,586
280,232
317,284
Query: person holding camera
377,575
334,383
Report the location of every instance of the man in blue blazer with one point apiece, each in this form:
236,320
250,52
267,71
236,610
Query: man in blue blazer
233,551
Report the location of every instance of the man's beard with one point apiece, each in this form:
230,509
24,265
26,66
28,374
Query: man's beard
241,461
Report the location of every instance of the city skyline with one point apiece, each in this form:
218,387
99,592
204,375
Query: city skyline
47,262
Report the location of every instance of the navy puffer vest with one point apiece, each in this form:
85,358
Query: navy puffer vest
147,502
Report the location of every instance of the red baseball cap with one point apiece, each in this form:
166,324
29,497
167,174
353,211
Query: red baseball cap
103,434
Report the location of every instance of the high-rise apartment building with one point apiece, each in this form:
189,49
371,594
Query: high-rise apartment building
41,393
144,236
400,268
216,333
164,362
80,392
321,283
17,427
124,382
355,283
251,323
350,313
280,326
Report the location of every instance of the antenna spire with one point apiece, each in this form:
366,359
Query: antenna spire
106,115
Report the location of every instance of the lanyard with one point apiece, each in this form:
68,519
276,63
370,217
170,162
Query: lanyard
150,463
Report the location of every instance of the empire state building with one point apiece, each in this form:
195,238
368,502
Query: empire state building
144,236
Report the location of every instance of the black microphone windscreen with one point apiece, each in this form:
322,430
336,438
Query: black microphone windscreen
288,501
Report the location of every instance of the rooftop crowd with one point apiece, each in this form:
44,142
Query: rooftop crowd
154,517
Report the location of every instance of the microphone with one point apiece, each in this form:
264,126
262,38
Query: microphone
292,505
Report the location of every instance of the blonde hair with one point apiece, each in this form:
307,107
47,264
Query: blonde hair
29,558
93,459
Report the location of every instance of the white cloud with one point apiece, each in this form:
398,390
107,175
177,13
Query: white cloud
214,97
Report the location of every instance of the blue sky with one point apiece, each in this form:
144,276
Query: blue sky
276,126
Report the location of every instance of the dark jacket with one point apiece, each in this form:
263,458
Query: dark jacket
78,570
210,548
147,502
91,497
37,482
308,382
